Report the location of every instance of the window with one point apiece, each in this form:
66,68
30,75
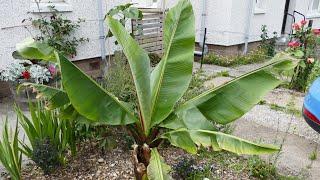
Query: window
259,7
44,6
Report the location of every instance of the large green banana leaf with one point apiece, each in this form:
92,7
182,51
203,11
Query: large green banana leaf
140,68
230,101
190,139
158,169
31,49
55,97
171,77
89,99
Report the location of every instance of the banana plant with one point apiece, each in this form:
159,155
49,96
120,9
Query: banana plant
188,126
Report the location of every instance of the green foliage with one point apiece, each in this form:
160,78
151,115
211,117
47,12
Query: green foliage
255,56
58,31
313,155
46,130
123,13
315,73
10,154
46,155
303,45
158,91
260,169
268,43
119,82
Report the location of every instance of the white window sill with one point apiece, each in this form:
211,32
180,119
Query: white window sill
259,11
45,7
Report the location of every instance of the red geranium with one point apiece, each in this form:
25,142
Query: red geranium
26,75
294,44
316,31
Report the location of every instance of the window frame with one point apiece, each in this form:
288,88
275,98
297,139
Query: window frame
259,7
61,6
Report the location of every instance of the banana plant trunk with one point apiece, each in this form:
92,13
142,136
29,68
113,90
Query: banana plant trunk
141,158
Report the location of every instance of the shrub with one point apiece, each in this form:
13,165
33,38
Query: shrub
10,154
48,135
255,56
268,44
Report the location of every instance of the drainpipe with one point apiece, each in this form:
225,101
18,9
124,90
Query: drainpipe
102,37
203,25
248,25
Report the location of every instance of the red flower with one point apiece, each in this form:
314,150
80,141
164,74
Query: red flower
294,44
316,31
26,75
296,26
303,22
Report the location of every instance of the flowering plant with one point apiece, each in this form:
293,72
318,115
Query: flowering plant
303,44
20,71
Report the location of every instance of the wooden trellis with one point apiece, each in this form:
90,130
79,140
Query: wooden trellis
149,31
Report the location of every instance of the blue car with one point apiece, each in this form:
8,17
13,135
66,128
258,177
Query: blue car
311,106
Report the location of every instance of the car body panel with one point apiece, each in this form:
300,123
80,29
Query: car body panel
312,106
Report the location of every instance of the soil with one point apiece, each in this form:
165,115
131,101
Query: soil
92,163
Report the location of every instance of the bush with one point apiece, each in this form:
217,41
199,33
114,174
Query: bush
10,154
49,136
255,56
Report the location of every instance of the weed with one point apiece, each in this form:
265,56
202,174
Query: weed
256,56
223,74
313,156
276,107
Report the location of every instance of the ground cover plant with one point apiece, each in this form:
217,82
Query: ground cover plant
156,117
49,135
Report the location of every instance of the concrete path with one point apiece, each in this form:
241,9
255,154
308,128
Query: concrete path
276,125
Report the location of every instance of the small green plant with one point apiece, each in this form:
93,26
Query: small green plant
255,56
48,135
260,169
313,155
268,43
58,31
123,13
10,154
46,155
223,74
187,168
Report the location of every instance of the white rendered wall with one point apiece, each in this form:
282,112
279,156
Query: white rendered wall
12,30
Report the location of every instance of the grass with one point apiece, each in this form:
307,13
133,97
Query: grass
256,56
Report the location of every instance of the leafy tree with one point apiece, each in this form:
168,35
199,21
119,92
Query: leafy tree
187,126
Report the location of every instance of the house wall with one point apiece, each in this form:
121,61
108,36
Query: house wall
226,20
304,7
12,30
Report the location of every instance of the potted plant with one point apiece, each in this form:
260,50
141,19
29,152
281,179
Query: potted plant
21,71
